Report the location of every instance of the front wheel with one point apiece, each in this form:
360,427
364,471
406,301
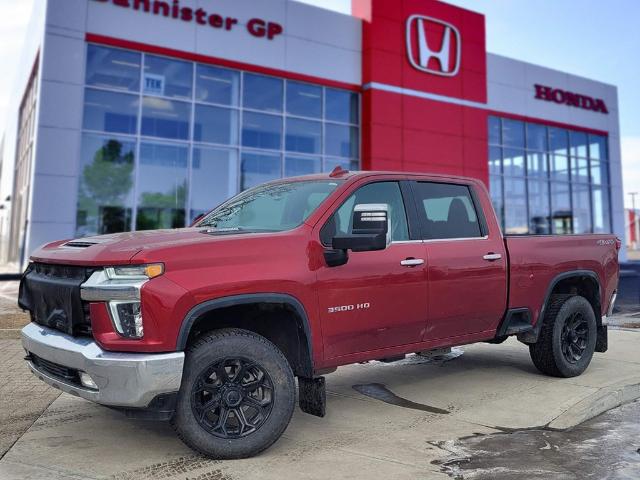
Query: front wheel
237,395
567,339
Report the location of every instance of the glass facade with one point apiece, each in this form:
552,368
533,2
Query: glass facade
547,180
165,140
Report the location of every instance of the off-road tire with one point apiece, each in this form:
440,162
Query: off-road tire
217,346
547,353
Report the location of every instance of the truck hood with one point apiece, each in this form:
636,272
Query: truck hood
116,248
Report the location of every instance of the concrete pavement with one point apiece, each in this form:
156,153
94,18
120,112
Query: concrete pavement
485,388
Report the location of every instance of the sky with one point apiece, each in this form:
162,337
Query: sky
592,38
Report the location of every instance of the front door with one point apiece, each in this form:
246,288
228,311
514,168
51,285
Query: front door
466,262
377,299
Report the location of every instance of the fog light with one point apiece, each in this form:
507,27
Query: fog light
87,381
127,318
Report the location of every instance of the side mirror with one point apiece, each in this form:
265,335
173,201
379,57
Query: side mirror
370,229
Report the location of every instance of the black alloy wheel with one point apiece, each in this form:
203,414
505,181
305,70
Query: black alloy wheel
232,398
237,394
574,337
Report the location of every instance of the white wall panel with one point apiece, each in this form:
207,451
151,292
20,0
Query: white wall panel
61,105
54,199
58,151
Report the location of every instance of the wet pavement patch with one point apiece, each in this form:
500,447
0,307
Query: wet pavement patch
604,447
382,393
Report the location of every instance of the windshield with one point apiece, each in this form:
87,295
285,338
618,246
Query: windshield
272,208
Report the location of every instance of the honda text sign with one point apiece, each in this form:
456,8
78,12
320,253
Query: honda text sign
433,46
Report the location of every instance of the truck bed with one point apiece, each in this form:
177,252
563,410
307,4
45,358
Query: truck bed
537,261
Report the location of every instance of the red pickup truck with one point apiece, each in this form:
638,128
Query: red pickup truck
209,326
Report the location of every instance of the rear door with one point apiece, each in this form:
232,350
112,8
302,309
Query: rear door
466,262
377,299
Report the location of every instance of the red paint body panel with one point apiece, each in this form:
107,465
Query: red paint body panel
454,298
535,261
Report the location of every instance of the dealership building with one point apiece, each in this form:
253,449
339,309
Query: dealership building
142,114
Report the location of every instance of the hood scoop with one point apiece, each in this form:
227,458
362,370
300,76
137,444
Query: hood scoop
79,244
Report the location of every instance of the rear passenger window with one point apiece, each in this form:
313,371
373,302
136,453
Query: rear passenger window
446,211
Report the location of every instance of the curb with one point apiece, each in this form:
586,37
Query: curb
10,334
599,402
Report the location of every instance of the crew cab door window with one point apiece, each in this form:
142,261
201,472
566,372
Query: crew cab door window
467,291
374,300
381,192
447,211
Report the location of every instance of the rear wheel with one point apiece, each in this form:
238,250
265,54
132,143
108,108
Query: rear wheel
567,339
237,395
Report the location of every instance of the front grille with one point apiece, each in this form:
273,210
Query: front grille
51,293
62,373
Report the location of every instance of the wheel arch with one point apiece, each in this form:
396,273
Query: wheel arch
579,282
258,312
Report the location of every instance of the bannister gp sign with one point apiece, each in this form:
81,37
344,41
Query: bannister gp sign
174,10
571,99
443,59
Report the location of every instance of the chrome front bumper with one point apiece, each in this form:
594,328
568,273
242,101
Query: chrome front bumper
130,380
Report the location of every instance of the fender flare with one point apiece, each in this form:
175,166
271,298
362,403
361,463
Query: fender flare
245,299
532,336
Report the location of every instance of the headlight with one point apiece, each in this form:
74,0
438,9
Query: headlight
127,318
135,272
120,287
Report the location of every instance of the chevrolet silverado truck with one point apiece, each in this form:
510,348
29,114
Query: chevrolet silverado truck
209,326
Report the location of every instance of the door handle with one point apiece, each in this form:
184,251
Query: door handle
412,262
492,257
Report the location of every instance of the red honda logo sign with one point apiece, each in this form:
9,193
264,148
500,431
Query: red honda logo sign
441,59
571,99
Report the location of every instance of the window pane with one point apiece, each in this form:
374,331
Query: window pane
578,144
341,106
341,141
601,211
303,136
581,209
258,168
512,133
536,137
294,166
112,68
558,141
598,147
168,78
379,192
561,208
165,118
495,189
304,99
537,164
331,163
217,85
559,167
494,131
447,211
539,209
261,131
599,172
162,183
216,125
214,178
495,160
262,93
110,112
515,206
513,162
579,170
105,190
